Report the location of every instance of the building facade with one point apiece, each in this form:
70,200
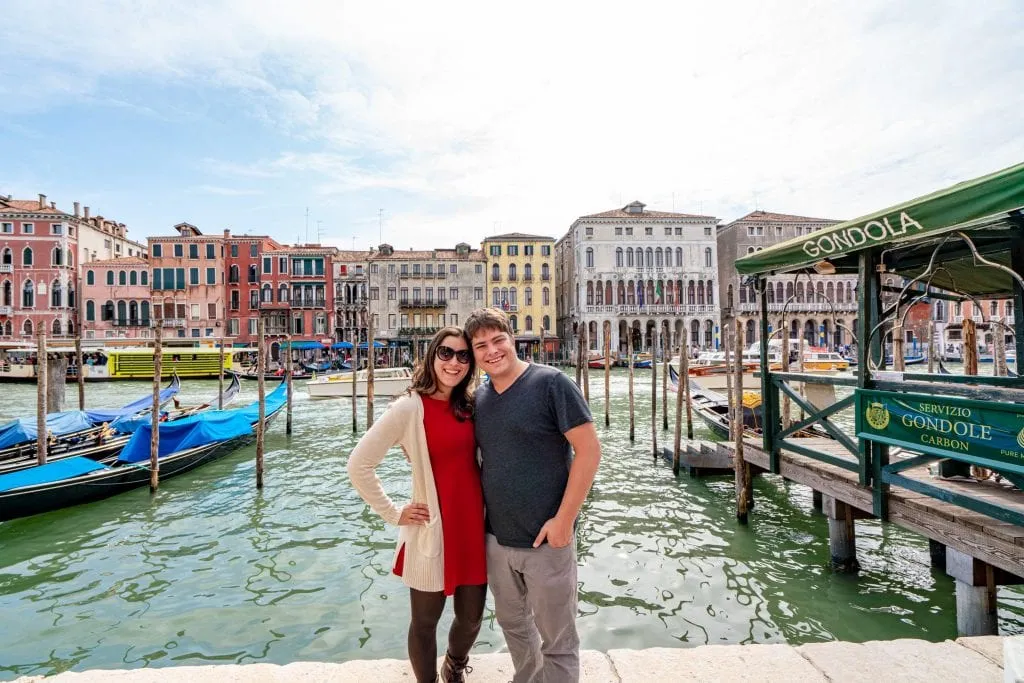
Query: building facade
351,289
116,299
412,294
520,281
643,271
187,283
310,281
256,284
820,308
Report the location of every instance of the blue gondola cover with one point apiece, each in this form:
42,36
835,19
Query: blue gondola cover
50,472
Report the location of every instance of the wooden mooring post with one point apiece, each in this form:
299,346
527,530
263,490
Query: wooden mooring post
607,328
261,382
899,361
41,433
154,437
729,374
632,402
744,490
80,375
666,361
842,533
787,408
355,376
220,377
290,388
654,392
581,355
369,369
970,347
586,364
998,348
677,441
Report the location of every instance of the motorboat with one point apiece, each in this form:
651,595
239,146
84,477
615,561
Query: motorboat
386,382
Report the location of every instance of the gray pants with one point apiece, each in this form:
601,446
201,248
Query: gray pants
535,602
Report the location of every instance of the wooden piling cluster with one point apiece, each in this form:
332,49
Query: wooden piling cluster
154,437
261,381
607,372
41,433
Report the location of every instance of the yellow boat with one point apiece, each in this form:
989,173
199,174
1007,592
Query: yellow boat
106,364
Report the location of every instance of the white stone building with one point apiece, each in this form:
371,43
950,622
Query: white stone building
640,270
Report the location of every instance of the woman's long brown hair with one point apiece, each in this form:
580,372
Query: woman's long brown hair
424,379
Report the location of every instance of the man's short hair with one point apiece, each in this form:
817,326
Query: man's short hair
483,319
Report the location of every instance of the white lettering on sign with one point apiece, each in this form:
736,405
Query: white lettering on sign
852,238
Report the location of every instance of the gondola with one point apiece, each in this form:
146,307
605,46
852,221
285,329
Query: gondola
184,445
320,366
71,428
108,441
713,410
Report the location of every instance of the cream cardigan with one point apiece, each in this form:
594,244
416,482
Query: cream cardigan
402,425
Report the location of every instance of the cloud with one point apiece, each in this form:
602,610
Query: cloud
460,115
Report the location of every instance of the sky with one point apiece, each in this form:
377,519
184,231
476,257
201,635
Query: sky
427,124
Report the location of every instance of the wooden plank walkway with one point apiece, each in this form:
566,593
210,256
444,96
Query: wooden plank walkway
991,540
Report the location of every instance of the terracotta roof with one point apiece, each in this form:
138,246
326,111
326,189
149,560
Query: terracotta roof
429,255
644,213
770,217
27,206
120,261
350,255
517,236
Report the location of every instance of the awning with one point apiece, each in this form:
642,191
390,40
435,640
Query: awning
376,344
303,345
342,345
990,205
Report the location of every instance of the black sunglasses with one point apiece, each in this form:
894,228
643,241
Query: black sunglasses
445,353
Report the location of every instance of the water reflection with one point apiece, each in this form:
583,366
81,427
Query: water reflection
209,570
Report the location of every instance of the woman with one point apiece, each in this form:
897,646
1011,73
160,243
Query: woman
441,532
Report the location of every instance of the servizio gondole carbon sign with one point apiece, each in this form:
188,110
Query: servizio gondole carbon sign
985,433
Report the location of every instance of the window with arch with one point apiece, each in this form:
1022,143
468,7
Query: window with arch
514,322
8,257
144,311
639,257
8,329
711,293
529,323
496,297
144,278
56,295
512,299
659,259
27,328
511,271
691,293
133,277
679,256
133,310
57,328
545,298
590,257
57,256
267,293
700,292
282,294
110,277
547,322
618,258
8,293
90,311
629,258
668,257
598,294
233,273
107,312
122,278
122,312
28,295
650,257
495,272
254,276
707,257
528,272
545,271
528,297
26,256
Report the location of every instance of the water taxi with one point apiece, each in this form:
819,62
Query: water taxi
106,364
386,382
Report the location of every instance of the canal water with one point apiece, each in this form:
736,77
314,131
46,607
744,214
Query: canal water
209,570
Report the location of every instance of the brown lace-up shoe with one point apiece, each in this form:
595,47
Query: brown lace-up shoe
454,670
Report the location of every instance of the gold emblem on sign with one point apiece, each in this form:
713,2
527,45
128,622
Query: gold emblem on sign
1020,438
877,415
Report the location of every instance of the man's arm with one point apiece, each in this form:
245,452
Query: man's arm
558,530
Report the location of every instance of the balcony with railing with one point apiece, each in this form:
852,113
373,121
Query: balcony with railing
6,310
653,309
801,307
6,268
545,276
131,322
172,322
308,302
273,305
978,318
420,303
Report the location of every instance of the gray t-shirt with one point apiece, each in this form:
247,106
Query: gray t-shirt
525,455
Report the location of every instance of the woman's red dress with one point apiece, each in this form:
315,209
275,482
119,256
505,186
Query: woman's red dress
452,447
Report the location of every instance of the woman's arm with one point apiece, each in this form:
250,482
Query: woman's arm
369,452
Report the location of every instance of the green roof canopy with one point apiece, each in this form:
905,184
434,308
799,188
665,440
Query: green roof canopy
986,208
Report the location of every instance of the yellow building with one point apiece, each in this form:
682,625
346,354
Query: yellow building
520,279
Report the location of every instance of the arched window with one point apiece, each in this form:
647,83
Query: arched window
514,322
547,322
545,272
590,257
545,299
695,333
650,257
707,257
8,293
599,294
233,273
282,294
144,311
608,293
8,329
799,292
830,292
691,293
71,328
267,293
107,312
529,323
26,257
110,277
629,258
511,271
789,291
709,331
620,295
56,295
528,296
8,257
144,278
512,300
711,293
57,256
122,312
90,277
254,275
122,278
528,272
590,293
618,258
28,295
639,257
770,292
668,257
679,256
90,311
133,311
496,297
133,278
27,328
58,329
495,272
659,259
700,292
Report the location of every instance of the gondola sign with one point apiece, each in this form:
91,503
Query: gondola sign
988,434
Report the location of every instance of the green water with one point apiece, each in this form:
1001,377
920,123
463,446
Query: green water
209,570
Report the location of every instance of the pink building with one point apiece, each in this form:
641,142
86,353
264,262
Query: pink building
187,282
115,295
37,270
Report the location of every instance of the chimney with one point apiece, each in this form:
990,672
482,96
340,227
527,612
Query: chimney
53,205
42,201
227,234
77,209
86,213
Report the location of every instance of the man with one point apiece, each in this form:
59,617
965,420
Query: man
530,419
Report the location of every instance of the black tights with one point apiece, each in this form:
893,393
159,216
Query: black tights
426,612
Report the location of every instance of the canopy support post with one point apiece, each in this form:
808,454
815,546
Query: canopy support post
768,397
1017,264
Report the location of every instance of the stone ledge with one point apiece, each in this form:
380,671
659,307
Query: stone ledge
965,660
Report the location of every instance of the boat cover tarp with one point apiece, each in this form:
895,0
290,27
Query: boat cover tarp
200,430
24,430
303,345
52,471
982,202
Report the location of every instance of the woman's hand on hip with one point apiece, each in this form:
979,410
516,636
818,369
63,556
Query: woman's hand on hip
414,513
